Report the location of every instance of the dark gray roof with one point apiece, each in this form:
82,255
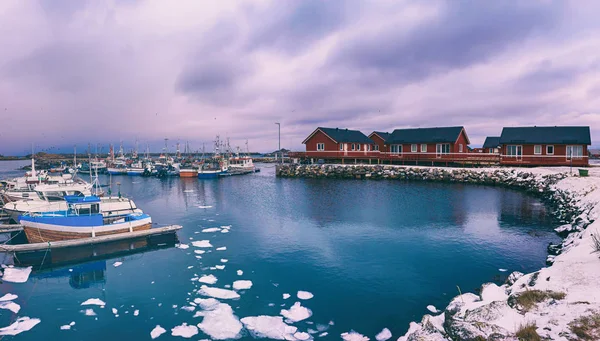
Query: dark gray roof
424,135
345,135
546,135
381,134
491,142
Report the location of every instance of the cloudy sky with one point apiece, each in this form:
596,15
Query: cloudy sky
79,72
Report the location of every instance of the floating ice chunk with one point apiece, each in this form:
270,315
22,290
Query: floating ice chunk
198,257
384,335
136,312
94,301
218,293
117,264
296,313
240,272
211,220
10,305
432,308
202,243
188,308
65,327
223,260
286,296
271,327
323,334
322,327
89,312
8,297
206,303
199,251
211,229
226,227
219,267
207,206
184,331
22,324
220,323
115,311
503,270
209,279
353,336
222,248
224,231
302,336
157,331
182,246
242,285
16,275
304,295
188,191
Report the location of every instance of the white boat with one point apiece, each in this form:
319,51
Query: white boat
241,163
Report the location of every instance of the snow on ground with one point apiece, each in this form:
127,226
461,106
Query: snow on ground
10,305
353,336
218,293
202,243
384,335
296,313
16,275
22,324
222,248
220,323
94,301
270,327
242,285
157,331
182,246
184,330
208,279
211,229
8,297
304,295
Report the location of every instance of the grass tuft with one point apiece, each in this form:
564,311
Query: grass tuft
587,327
528,332
528,299
596,243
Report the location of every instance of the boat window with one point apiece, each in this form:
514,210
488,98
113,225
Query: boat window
95,209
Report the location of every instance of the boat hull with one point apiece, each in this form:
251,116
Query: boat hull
42,233
135,172
188,173
210,174
116,171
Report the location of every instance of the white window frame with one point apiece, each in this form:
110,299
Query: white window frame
358,146
535,149
460,148
320,147
413,148
424,148
376,148
341,146
396,149
550,146
572,156
353,147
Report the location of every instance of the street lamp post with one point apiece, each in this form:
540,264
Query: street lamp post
279,134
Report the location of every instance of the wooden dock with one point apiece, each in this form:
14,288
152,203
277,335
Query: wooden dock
85,241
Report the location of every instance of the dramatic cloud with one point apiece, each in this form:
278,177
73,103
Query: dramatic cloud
79,72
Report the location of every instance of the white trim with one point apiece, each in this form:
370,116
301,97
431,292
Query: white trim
314,132
423,150
553,149
534,149
320,144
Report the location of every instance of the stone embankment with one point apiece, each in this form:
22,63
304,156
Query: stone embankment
559,302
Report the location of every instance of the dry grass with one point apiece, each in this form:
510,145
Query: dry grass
587,327
528,299
528,332
596,243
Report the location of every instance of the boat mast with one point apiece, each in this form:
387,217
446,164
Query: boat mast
33,174
90,161
75,158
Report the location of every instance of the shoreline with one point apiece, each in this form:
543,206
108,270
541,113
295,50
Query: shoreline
560,295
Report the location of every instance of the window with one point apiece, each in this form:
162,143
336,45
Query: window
514,150
442,148
574,152
368,147
358,146
413,148
341,146
376,147
550,150
320,146
396,148
460,148
353,146
537,150
424,148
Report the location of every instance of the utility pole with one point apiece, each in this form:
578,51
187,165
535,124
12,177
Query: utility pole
279,134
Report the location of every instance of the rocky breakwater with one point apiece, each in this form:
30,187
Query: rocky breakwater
558,302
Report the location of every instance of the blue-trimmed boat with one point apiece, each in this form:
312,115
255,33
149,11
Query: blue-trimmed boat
82,219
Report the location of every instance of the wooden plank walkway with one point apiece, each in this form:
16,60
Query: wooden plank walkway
88,241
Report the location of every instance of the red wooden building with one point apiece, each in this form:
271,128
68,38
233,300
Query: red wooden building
549,146
379,137
336,143
429,144
492,145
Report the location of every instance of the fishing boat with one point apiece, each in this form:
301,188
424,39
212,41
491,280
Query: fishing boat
118,168
136,169
188,172
241,164
212,169
81,219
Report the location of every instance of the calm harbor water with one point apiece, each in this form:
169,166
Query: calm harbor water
373,253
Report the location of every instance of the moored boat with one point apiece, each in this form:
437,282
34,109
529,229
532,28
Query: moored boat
188,172
81,219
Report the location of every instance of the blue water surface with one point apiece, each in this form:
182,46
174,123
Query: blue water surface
373,253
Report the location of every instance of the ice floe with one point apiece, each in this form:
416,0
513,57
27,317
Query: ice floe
16,275
202,243
240,272
8,297
117,264
304,295
89,312
115,311
286,296
271,327
157,331
184,330
136,312
302,336
223,260
199,251
94,301
188,191
323,334
224,231
384,335
353,336
182,246
208,279
242,285
222,248
218,293
432,308
10,305
219,267
22,324
220,323
205,206
296,313
211,229
503,270
206,303
188,308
